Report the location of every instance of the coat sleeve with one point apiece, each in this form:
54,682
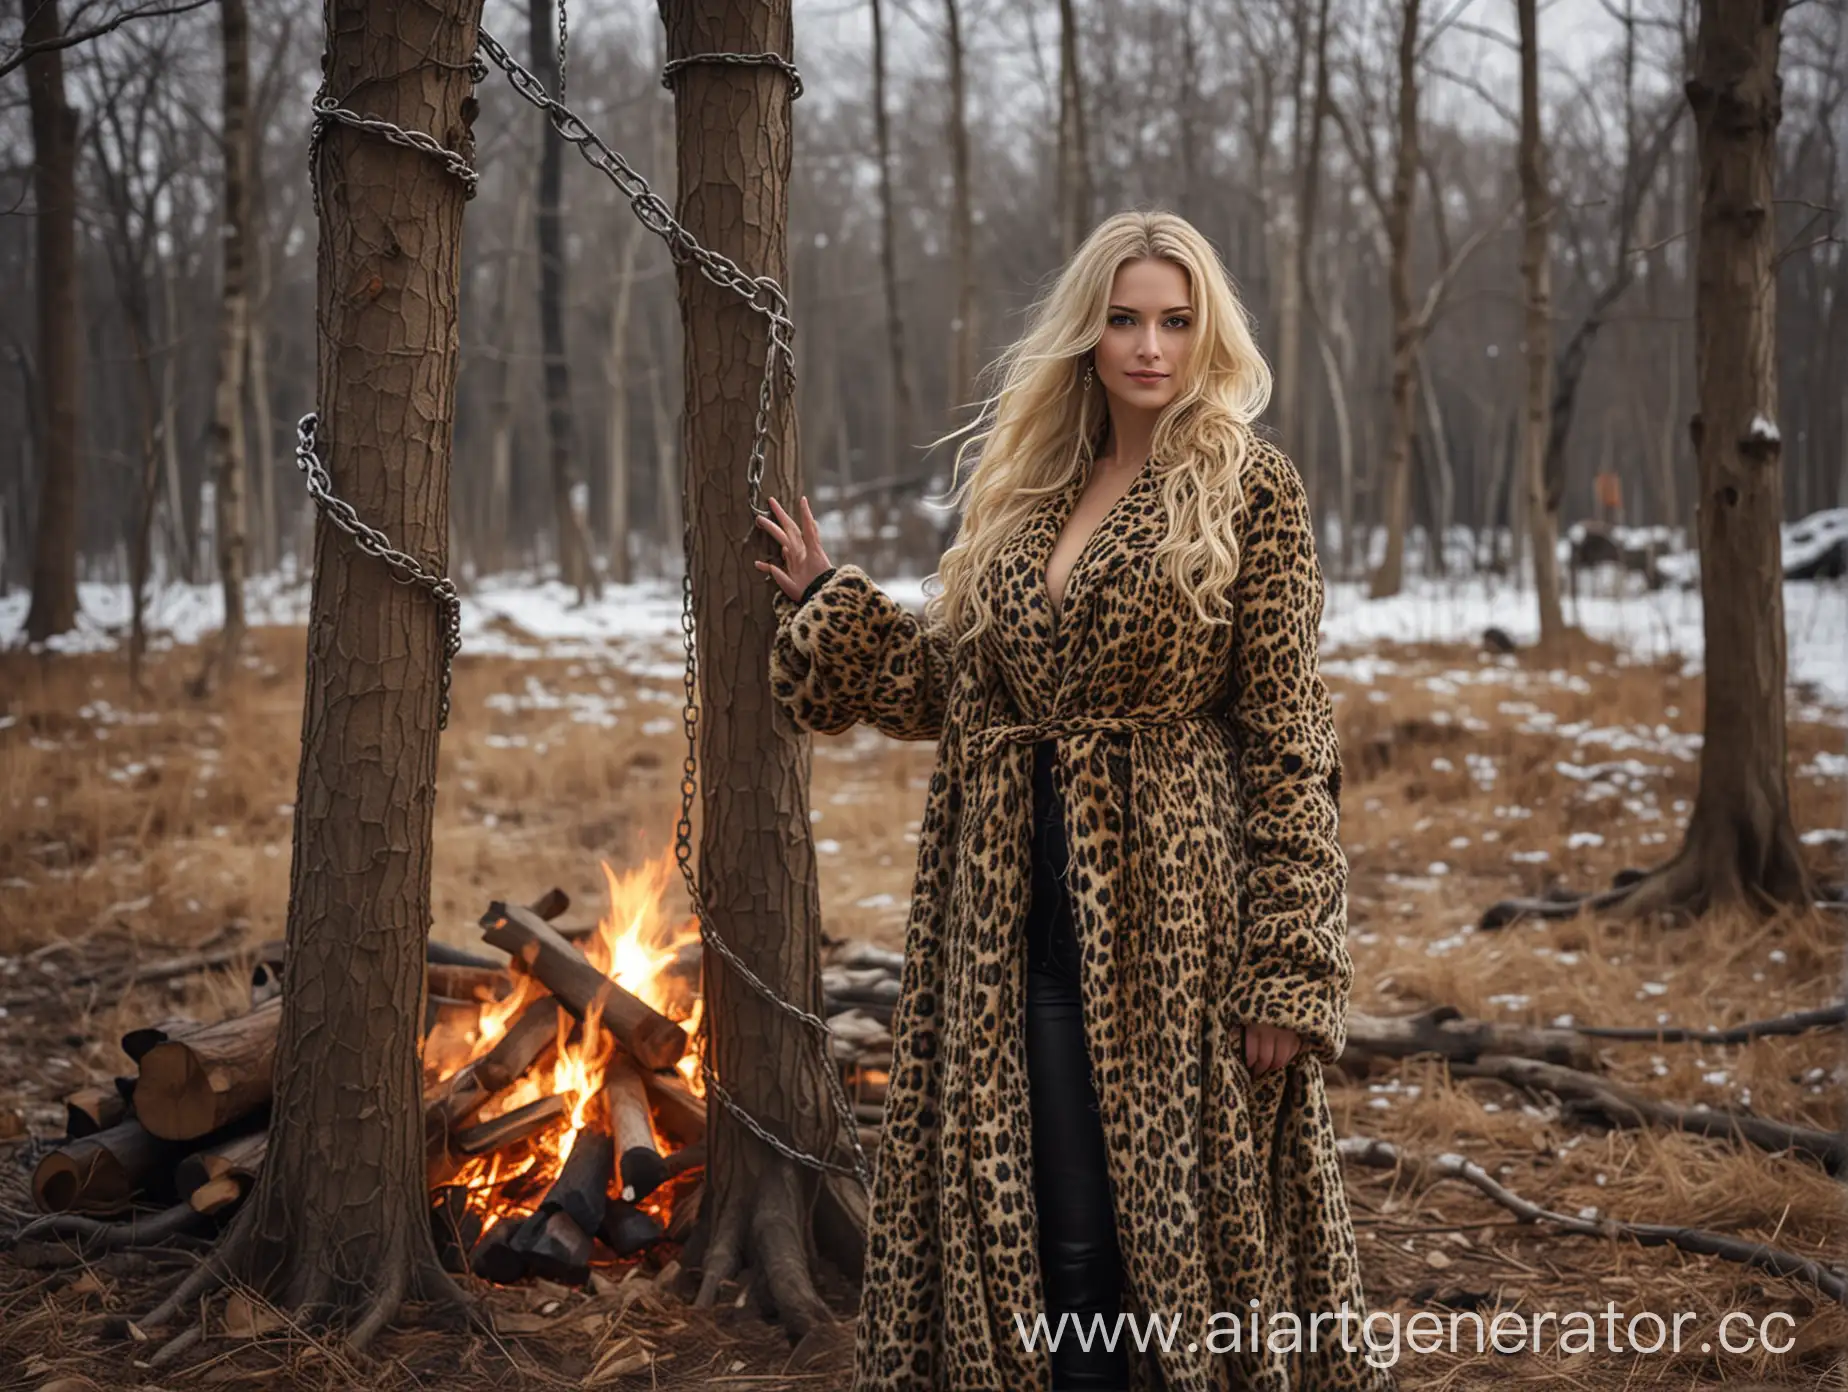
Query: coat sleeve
1294,972
847,653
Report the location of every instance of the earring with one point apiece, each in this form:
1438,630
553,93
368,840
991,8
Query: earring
1090,375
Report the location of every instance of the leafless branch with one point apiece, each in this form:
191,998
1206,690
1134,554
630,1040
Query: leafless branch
76,36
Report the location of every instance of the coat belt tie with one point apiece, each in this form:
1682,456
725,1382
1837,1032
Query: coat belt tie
985,741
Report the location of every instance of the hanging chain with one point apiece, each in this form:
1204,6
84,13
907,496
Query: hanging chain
766,297
564,37
405,569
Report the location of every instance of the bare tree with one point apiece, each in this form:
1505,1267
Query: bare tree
1074,165
338,1223
965,330
570,495
1740,847
1397,216
233,343
903,405
1537,276
756,856
60,364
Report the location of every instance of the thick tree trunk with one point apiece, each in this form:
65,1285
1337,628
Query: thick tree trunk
233,343
1396,486
965,331
898,447
756,859
338,1225
1741,847
60,365
1537,279
570,493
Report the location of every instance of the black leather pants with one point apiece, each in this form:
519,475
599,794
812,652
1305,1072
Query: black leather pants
1082,1266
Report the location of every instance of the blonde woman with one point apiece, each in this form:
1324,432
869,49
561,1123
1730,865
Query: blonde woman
1124,965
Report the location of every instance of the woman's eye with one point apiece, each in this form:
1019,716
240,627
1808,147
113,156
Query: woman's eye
1179,320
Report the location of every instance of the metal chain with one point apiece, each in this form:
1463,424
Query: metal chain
405,569
774,60
564,35
328,108
766,297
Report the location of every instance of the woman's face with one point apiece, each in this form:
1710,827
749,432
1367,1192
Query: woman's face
1148,331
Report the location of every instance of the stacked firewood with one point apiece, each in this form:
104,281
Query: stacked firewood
189,1130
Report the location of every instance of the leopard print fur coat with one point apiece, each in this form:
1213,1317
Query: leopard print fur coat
1199,771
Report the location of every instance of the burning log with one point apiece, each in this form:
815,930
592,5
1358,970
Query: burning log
487,984
442,1012
494,1258
520,1124
638,1163
92,1109
137,1042
556,1241
193,1086
681,1112
221,1174
529,1040
651,1038
101,1172
627,1230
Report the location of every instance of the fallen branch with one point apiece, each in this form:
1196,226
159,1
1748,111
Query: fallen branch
1442,1030
93,1237
1622,1106
1824,1017
1383,1155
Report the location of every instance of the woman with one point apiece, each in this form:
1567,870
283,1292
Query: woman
1124,965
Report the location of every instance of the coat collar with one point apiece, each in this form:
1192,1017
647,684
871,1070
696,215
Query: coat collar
1040,656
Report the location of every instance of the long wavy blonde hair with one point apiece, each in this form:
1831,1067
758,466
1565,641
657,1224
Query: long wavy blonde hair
1039,430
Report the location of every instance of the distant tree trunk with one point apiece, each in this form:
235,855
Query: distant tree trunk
1740,846
233,343
1290,301
1074,168
1390,576
615,379
338,1224
756,857
1309,204
509,322
570,495
965,331
899,446
60,367
1537,277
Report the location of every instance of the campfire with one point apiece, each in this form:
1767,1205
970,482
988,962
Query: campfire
564,1111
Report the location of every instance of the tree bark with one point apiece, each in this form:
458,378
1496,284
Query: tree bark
60,365
338,1225
570,494
1537,280
1741,846
1390,576
227,435
756,856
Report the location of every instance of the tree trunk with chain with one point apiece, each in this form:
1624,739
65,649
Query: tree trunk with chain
757,869
1740,847
570,493
227,435
60,362
338,1224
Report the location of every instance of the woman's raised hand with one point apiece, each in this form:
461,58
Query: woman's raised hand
803,558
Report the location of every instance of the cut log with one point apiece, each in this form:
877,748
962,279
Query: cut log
137,1042
102,1172
627,1230
450,1016
217,1195
680,1113
554,1247
237,1160
520,1124
193,1086
580,1195
638,1162
527,1044
469,983
92,1109
651,1038
494,1258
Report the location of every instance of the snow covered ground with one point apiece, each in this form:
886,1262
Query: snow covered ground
639,625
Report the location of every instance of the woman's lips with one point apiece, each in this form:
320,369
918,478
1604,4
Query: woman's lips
1146,376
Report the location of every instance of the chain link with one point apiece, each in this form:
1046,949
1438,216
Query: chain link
327,108
405,569
564,37
763,295
738,60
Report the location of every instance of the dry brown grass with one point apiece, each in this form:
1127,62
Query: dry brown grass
144,826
